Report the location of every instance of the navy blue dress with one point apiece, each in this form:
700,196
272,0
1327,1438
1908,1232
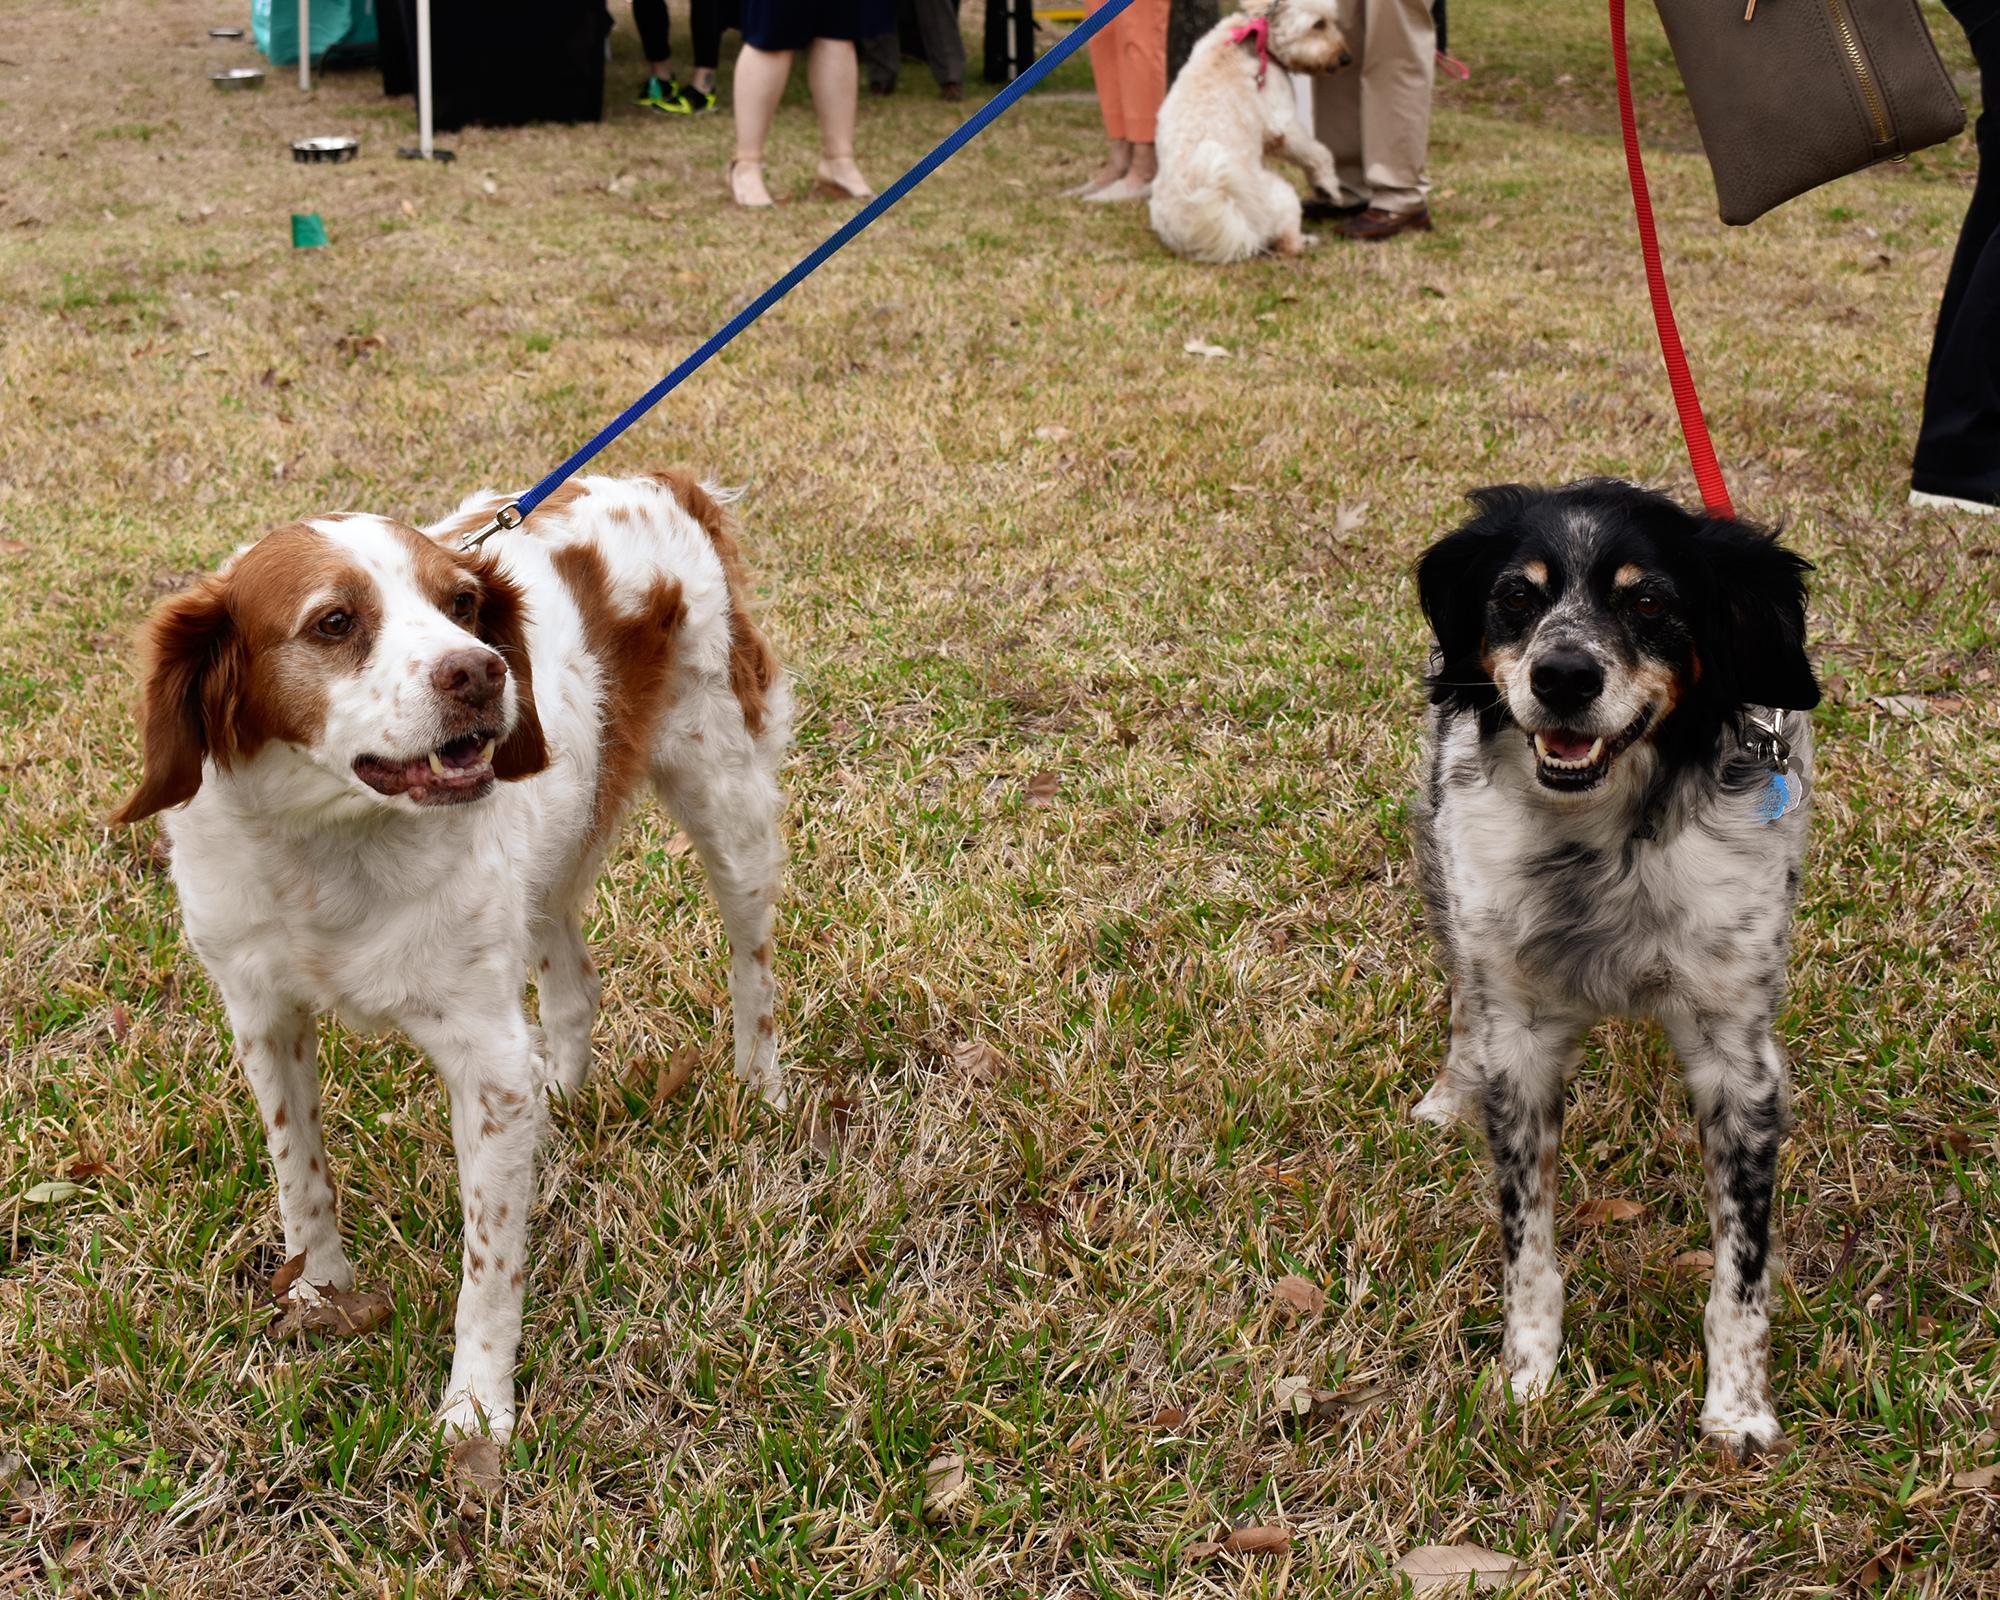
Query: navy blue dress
794,24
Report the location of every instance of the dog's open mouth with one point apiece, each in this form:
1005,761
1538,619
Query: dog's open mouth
452,773
1573,762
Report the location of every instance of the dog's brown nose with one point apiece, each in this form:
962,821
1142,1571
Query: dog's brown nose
472,677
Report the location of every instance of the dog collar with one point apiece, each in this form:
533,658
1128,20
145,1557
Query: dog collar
1258,28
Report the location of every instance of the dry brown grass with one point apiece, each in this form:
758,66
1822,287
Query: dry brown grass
1004,527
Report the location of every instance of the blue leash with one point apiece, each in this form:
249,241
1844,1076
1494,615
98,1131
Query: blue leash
511,516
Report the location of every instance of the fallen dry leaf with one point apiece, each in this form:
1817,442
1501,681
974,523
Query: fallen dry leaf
674,1073
287,1275
1042,787
1054,432
1298,1399
1444,1568
944,1481
1294,1395
475,1468
1695,1261
1903,705
1171,1418
1258,1539
1201,347
977,1059
1884,1563
1615,1210
121,1023
829,1128
47,1194
1978,1479
1300,1295
13,547
344,1313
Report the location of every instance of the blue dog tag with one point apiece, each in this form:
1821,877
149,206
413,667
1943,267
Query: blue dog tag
1782,796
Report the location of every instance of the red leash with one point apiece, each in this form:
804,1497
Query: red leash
1694,426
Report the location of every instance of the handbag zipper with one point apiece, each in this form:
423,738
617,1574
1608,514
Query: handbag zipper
1857,61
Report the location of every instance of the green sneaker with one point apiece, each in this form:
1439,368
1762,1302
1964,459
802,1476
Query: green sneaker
697,102
662,96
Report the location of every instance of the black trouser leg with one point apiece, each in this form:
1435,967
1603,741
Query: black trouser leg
705,29
655,38
1958,447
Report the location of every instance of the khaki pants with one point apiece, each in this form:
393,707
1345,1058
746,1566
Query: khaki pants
1376,117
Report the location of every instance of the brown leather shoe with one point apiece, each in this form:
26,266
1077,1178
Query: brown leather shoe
1375,224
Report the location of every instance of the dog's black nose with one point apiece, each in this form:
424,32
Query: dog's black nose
1566,679
473,677
1346,59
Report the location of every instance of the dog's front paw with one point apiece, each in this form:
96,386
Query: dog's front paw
1529,1380
1443,1106
468,1415
1744,1436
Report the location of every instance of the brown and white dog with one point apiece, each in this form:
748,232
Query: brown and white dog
390,773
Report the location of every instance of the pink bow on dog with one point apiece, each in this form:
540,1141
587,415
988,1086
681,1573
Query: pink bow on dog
1258,28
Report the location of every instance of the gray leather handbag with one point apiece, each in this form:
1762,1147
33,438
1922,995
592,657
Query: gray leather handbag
1791,94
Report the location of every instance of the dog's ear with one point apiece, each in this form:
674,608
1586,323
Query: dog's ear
192,666
1454,579
1751,633
503,623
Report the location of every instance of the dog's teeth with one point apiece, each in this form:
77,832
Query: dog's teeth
486,751
1596,753
1541,747
437,766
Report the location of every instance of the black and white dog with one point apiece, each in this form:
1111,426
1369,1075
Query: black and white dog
1612,823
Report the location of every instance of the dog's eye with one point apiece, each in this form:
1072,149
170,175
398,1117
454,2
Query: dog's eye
335,625
1515,600
1647,605
464,606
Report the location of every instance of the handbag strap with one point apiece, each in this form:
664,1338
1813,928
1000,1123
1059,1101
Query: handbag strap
1694,426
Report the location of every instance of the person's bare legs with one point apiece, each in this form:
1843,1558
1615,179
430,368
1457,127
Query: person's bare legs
833,72
1117,162
760,84
1136,182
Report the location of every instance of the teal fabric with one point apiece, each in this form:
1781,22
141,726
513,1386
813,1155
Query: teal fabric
344,32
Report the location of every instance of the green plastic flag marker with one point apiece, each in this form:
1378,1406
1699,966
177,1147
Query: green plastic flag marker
308,232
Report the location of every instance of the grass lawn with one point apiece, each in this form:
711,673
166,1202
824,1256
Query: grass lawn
1104,992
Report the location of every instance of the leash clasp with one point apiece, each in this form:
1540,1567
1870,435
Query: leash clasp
1766,740
505,519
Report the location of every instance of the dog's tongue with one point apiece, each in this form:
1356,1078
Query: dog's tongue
1567,746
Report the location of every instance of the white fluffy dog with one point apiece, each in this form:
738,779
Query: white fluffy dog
1214,199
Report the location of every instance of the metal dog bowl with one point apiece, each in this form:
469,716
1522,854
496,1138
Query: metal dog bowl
225,33
326,149
238,78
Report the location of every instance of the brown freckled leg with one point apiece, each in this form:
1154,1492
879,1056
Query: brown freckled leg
485,1056
731,817
569,993
274,1043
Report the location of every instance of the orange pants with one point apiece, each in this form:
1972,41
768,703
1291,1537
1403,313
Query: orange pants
1129,62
